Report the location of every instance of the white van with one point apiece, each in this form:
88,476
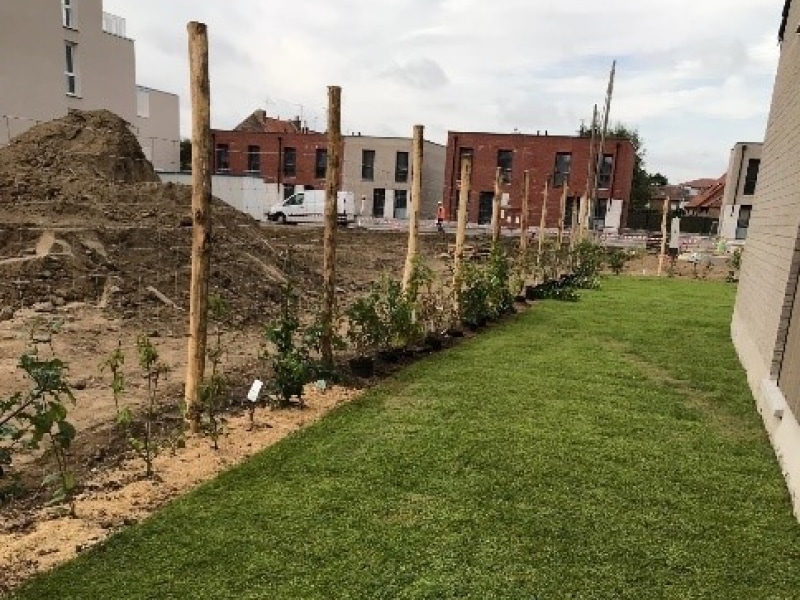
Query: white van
309,207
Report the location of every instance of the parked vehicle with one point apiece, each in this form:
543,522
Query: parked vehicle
309,207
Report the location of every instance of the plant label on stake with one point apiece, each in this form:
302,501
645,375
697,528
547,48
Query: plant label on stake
255,390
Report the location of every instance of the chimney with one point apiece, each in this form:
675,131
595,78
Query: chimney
297,124
261,115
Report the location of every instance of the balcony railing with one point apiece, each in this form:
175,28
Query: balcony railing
114,25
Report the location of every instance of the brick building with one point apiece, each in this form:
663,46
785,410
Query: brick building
766,318
559,159
278,152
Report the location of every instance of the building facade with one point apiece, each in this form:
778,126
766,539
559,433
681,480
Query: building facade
378,171
740,189
766,319
558,160
280,158
58,55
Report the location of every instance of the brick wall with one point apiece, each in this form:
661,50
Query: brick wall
537,154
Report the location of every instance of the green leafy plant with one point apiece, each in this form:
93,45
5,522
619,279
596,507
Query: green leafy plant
213,390
474,299
498,281
588,259
27,419
617,258
734,264
146,444
365,328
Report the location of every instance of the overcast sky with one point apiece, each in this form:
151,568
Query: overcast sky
694,76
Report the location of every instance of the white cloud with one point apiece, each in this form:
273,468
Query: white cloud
693,76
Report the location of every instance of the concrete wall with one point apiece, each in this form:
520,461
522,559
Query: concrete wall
249,195
158,128
734,196
33,62
770,262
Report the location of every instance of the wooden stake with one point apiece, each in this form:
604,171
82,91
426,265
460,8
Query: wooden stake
329,236
664,212
542,222
461,231
201,219
497,201
586,199
416,202
523,216
564,193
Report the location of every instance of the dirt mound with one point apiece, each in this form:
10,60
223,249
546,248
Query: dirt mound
64,156
83,217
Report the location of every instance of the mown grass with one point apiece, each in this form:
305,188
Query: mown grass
604,449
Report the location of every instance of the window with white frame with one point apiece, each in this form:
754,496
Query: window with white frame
68,13
70,68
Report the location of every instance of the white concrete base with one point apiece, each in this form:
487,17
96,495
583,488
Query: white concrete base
779,421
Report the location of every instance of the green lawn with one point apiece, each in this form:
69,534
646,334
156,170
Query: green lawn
604,449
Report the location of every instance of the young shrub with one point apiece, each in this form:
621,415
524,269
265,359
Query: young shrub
214,388
734,264
26,419
498,280
617,257
291,363
365,328
588,260
146,445
397,313
474,299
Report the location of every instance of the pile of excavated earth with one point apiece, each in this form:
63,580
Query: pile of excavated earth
83,217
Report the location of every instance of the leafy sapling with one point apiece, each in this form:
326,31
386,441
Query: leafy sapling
213,391
154,370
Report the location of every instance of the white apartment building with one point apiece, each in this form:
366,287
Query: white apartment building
740,190
59,55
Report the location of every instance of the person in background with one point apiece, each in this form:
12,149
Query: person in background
440,218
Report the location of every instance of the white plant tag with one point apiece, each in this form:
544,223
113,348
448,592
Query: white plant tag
255,390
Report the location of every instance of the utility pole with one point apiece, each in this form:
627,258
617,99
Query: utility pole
200,90
585,208
332,173
416,202
604,131
496,202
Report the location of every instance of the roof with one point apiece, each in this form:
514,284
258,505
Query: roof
700,184
711,197
672,192
261,123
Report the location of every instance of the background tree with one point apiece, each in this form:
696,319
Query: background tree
186,154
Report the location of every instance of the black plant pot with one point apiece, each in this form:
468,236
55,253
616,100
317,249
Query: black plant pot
433,342
362,366
522,298
456,333
530,292
389,356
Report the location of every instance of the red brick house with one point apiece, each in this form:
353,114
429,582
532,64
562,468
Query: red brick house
558,159
279,152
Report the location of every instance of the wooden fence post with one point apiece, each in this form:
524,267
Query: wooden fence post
523,216
563,206
332,177
461,230
496,201
416,201
664,212
542,222
201,219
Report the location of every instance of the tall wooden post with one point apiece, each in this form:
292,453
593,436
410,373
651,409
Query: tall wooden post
496,202
542,221
563,208
664,212
586,199
332,177
523,217
461,230
416,202
201,218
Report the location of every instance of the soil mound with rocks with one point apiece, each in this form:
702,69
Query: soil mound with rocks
84,217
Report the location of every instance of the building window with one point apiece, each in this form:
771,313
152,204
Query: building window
223,152
485,207
562,169
70,68
504,160
289,162
743,221
378,202
68,14
751,178
605,169
368,165
401,167
254,159
321,163
400,204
